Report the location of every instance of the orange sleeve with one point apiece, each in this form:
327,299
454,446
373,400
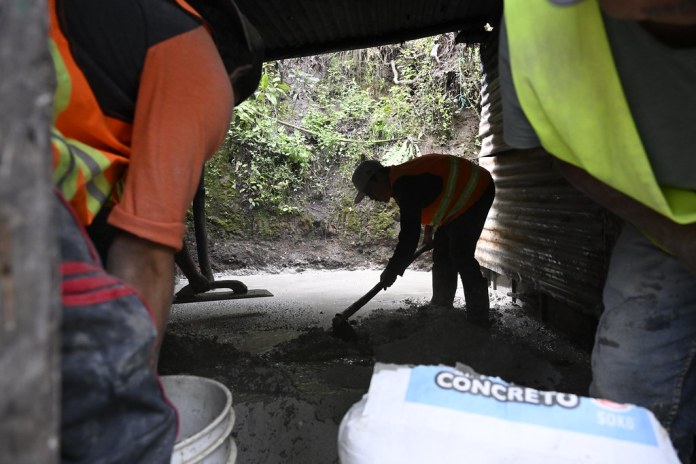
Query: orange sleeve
183,111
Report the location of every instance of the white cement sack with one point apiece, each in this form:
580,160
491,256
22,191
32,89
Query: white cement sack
427,414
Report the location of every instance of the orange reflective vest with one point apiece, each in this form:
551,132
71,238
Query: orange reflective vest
90,150
463,184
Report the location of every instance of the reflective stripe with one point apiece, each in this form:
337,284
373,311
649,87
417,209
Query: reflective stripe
65,166
464,198
76,157
451,185
61,97
83,174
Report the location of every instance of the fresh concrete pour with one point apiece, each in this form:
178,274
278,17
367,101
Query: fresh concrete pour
292,381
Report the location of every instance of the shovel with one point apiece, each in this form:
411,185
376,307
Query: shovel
340,326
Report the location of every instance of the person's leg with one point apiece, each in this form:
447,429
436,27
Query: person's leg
113,409
444,273
645,344
466,231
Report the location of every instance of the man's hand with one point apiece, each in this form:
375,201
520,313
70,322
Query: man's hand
387,278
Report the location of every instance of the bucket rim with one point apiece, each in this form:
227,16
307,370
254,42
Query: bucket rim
216,444
215,422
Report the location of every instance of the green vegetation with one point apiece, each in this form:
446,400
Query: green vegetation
287,159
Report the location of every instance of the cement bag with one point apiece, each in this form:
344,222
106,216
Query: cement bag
426,414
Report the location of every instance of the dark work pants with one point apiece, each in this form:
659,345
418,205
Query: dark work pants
453,253
645,346
113,408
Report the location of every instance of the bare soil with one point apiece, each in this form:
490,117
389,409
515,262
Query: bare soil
294,254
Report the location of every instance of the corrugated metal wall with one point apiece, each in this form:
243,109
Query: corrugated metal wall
544,233
541,231
491,124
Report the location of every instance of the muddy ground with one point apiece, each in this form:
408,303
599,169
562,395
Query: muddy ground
293,381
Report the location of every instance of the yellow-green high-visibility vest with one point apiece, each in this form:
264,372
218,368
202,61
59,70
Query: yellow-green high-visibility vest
569,89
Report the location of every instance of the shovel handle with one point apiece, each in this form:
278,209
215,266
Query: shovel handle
352,309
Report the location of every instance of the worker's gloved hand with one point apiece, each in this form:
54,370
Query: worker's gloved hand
387,278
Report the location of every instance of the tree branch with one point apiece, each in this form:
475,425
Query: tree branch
396,75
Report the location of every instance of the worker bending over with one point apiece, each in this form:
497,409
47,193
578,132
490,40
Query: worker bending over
451,197
145,93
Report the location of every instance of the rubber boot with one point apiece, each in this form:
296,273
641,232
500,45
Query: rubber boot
477,302
444,288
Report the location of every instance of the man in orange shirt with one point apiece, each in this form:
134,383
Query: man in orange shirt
451,197
145,93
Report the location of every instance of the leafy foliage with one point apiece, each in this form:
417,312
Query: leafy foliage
297,140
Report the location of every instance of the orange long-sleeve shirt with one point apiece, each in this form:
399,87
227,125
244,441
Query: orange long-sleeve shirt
153,98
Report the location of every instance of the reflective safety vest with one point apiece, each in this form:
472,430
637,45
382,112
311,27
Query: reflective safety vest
91,151
570,91
463,184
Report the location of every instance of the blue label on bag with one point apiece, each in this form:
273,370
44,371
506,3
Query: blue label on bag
493,397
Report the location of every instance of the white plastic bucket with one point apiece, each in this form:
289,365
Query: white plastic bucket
206,419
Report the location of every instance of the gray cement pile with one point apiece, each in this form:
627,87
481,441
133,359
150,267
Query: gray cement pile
292,381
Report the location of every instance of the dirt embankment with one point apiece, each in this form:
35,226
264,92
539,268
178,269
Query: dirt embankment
244,257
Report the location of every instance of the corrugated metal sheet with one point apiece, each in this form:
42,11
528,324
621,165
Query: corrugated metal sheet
293,28
544,233
491,124
541,231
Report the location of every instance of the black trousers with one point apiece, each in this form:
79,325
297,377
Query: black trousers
454,246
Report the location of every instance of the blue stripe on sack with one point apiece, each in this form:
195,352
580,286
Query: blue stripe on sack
492,397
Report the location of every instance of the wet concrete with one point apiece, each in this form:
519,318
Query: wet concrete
292,381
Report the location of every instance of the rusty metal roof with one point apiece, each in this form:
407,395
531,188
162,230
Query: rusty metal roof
293,28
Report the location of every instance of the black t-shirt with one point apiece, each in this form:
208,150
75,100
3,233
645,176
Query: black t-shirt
412,194
109,40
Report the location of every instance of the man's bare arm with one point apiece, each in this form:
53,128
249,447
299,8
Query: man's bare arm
149,267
